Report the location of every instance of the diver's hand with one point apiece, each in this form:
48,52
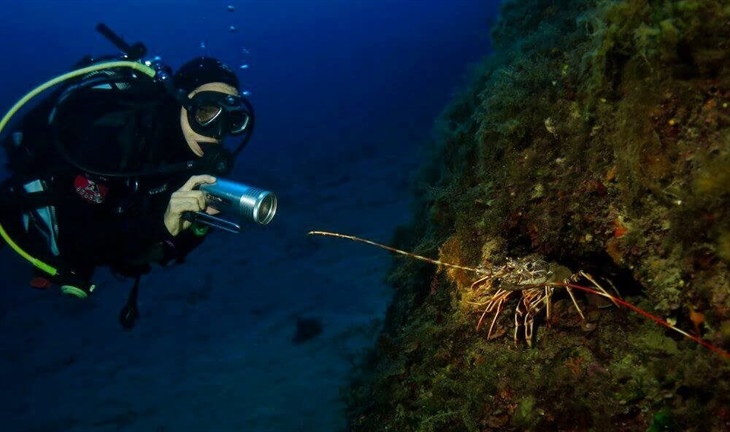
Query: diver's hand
186,199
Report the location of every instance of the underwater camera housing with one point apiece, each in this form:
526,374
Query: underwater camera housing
238,201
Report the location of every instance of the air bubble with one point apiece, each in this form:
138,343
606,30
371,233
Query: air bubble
245,58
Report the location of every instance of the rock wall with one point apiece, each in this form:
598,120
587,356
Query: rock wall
595,138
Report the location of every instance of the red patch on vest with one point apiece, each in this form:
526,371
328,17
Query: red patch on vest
90,190
40,283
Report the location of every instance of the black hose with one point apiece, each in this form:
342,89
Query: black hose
134,52
130,312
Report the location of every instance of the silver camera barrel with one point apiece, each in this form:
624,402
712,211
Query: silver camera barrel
247,202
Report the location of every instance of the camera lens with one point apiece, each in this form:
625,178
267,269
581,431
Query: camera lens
265,209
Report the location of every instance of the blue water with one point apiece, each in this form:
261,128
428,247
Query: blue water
346,94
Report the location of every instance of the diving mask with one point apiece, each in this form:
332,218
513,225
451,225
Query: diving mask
214,114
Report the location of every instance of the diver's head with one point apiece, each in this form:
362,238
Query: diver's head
205,115
213,108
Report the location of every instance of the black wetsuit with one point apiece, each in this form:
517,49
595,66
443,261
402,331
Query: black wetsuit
103,219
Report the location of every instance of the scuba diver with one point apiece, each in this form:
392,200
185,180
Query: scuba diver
107,169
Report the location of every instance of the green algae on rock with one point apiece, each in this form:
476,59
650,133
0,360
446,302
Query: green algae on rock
597,136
